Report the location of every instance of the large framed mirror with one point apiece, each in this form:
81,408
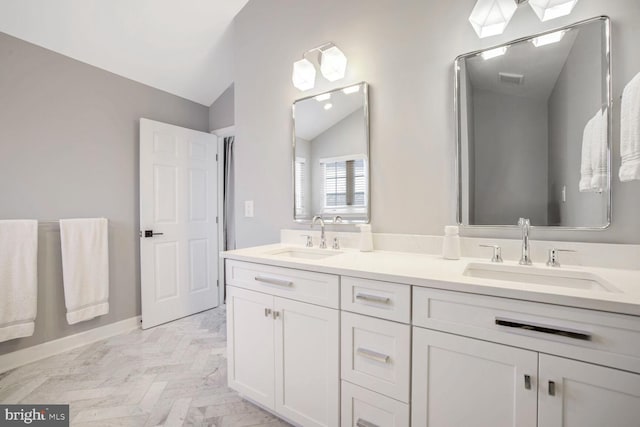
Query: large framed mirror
534,130
331,156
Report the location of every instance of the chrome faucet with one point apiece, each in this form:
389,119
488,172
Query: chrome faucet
323,239
525,259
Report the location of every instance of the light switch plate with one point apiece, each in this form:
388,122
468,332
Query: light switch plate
248,208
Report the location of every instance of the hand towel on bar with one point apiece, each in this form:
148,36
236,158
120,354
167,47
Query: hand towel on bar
586,169
600,152
18,278
85,267
630,131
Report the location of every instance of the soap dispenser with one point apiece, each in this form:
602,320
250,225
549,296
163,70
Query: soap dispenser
366,238
451,243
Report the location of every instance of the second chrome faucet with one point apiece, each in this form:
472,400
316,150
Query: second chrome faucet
525,224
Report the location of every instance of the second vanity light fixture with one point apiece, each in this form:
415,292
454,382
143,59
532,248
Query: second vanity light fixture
333,65
490,17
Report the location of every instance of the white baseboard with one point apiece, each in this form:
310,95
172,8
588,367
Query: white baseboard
51,348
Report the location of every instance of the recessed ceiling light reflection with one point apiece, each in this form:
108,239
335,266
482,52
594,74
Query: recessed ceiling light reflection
493,53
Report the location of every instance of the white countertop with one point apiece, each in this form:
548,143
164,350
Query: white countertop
435,272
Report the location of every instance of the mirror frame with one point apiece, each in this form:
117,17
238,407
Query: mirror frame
346,221
458,134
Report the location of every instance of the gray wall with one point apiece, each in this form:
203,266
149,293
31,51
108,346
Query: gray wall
344,138
405,50
221,112
575,99
69,148
511,155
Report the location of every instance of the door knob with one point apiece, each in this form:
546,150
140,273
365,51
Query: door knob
150,233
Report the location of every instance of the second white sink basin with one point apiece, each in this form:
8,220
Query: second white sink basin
305,253
540,276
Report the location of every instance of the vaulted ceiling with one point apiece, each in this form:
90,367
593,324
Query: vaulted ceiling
182,47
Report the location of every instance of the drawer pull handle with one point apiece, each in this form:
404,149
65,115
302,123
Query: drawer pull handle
578,335
364,423
373,298
527,382
267,312
373,355
271,281
552,388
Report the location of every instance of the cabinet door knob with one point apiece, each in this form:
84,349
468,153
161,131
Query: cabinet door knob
527,382
552,388
276,314
267,312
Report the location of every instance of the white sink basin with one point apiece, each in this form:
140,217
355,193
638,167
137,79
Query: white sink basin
305,253
540,276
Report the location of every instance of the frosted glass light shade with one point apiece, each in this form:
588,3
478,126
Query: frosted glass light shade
490,17
304,75
551,9
333,64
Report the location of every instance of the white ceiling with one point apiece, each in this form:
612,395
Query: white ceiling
312,119
182,47
540,67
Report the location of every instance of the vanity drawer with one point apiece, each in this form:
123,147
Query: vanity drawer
364,408
390,301
594,336
307,286
376,354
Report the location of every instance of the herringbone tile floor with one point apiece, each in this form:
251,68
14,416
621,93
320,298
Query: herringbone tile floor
172,375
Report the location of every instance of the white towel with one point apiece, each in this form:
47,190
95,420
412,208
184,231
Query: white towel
18,278
600,152
630,131
85,267
586,167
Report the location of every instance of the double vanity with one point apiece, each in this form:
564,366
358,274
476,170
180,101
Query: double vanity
338,337
326,337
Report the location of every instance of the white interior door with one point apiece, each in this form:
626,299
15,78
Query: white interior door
178,204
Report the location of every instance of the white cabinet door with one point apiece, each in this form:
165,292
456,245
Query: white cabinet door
578,394
307,363
250,349
459,381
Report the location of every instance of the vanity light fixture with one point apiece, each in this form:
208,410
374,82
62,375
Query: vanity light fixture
323,97
551,9
493,53
333,65
490,17
304,74
548,38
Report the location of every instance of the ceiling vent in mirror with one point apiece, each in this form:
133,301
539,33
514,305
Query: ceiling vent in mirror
511,78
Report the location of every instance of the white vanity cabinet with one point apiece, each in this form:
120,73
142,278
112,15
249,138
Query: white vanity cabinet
322,349
282,353
459,377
